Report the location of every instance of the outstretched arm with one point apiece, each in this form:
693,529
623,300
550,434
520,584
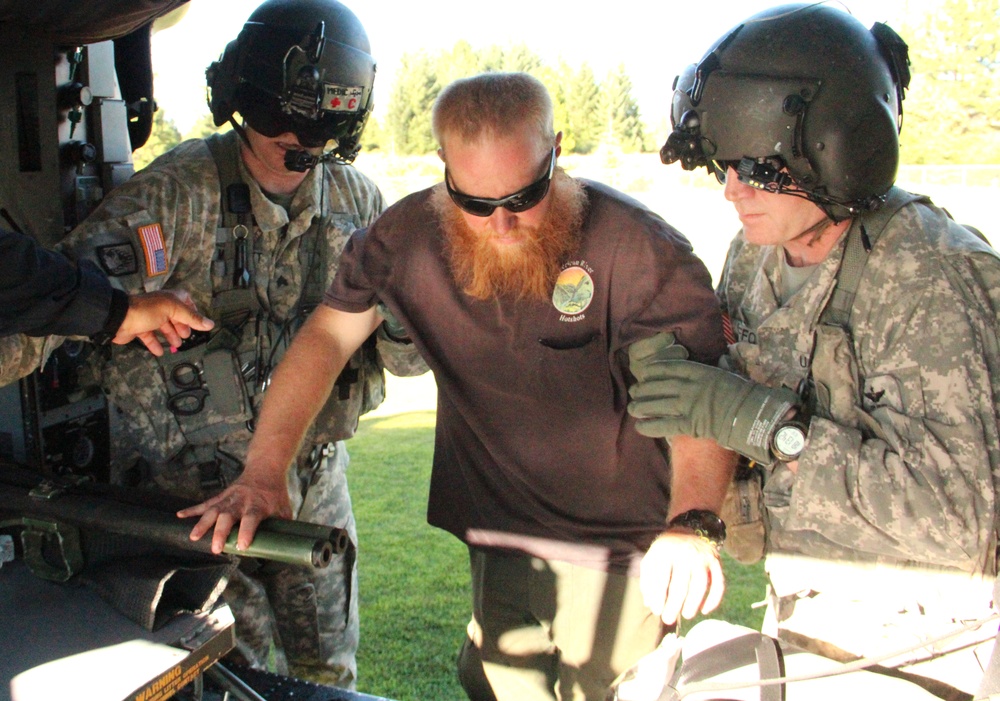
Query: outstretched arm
302,382
170,312
681,573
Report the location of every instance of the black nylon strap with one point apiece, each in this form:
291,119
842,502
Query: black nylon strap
225,152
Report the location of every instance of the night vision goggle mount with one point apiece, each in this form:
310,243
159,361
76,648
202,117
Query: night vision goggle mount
303,92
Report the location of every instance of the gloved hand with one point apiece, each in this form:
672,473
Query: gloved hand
679,397
644,356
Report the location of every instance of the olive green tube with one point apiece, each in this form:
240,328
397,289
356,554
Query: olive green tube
284,547
107,508
338,537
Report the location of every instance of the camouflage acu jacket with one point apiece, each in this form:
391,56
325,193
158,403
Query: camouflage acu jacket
902,457
162,230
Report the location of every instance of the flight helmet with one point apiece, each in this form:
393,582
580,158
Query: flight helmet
300,66
799,99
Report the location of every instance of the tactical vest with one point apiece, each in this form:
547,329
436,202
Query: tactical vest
834,338
211,388
831,384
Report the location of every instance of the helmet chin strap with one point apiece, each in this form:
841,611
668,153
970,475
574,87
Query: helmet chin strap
817,229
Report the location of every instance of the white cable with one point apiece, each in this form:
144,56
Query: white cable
699,687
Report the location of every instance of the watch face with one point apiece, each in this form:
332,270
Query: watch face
789,441
704,523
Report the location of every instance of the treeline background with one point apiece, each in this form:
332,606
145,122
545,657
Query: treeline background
951,112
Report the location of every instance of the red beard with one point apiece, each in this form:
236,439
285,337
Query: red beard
524,270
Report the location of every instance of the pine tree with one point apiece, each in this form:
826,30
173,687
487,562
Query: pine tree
409,118
952,110
583,107
586,113
624,126
205,126
163,137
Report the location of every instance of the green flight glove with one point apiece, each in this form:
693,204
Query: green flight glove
679,397
644,356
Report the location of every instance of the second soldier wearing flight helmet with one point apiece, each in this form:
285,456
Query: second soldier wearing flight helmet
252,223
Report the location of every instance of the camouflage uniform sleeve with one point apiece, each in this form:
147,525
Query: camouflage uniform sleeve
743,260
109,237
401,358
910,475
21,355
176,208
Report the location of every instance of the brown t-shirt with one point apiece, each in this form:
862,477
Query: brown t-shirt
532,435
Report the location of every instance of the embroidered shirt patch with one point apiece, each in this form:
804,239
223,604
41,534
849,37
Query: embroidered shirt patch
155,249
574,291
118,259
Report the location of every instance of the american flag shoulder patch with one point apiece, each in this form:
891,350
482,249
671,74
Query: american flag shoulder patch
154,248
727,329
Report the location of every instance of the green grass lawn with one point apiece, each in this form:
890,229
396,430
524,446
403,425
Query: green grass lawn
414,579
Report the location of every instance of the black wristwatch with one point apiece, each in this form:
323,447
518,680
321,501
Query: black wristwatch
788,439
704,523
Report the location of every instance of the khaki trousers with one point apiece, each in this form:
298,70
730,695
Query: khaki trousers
556,631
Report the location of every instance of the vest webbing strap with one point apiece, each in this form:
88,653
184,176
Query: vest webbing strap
226,154
861,238
232,305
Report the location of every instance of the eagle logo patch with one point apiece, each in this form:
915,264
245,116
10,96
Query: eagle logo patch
574,291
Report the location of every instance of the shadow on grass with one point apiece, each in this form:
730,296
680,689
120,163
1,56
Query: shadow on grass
414,579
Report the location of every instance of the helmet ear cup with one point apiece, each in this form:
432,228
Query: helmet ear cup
222,79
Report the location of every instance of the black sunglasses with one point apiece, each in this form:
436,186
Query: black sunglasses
520,201
761,173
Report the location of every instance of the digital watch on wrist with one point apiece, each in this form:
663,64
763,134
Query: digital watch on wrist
788,440
704,523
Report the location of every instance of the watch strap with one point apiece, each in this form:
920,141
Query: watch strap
705,524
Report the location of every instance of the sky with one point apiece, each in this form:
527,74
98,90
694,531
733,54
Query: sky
653,39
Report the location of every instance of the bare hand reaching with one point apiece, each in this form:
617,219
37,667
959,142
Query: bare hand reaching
681,575
171,312
247,501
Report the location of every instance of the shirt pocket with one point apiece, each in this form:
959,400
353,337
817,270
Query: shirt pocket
583,356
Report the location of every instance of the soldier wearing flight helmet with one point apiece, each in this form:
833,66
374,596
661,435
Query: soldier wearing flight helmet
252,223
863,371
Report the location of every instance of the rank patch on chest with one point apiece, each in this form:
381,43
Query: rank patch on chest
154,248
117,259
573,293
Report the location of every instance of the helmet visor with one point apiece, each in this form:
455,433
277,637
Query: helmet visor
748,115
312,81
266,116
